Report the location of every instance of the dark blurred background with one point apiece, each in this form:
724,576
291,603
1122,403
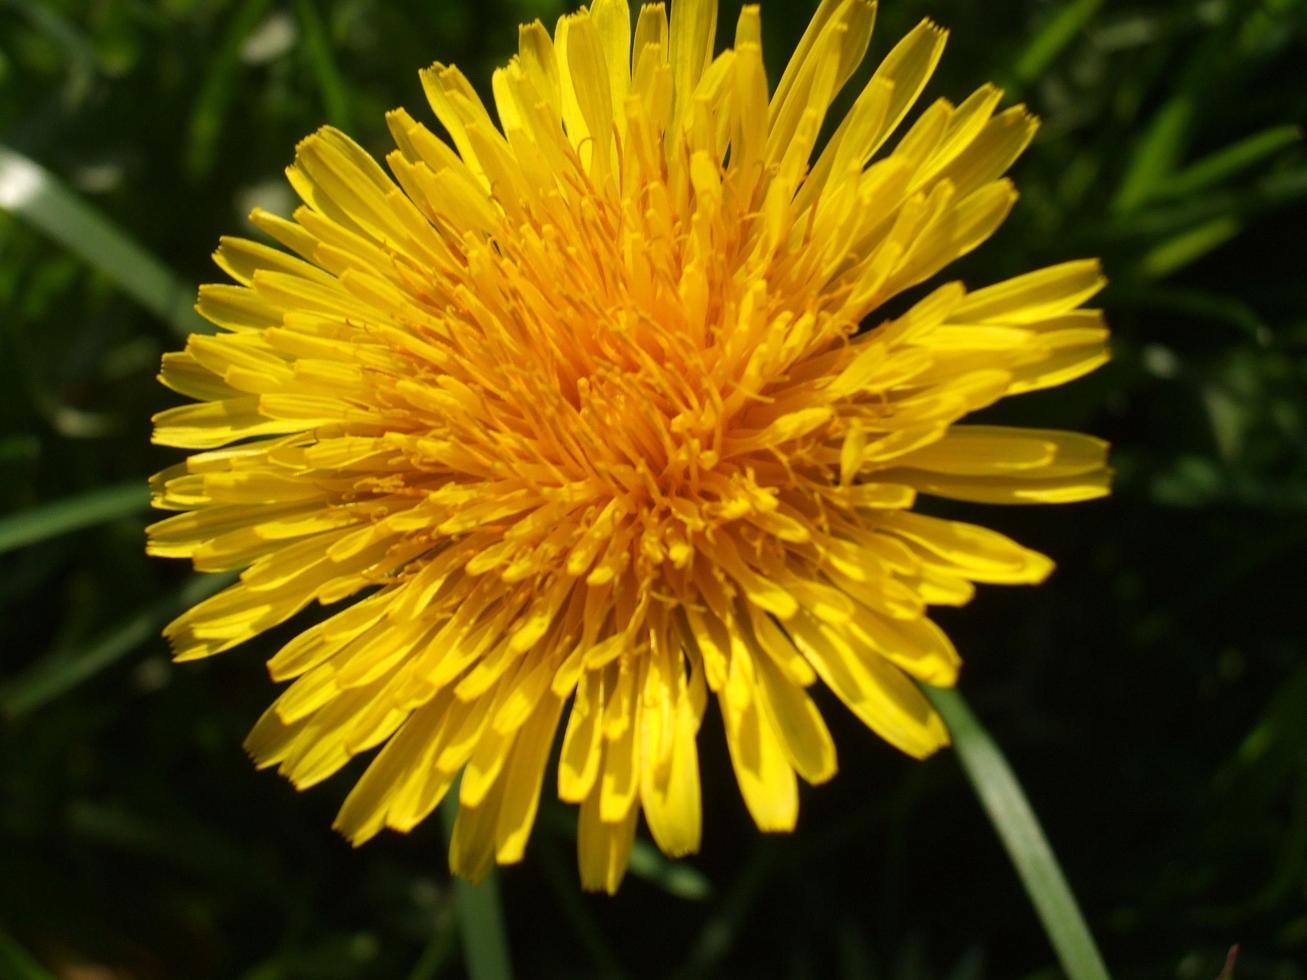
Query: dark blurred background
1152,696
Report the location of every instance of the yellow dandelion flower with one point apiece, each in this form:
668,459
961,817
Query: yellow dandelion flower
591,412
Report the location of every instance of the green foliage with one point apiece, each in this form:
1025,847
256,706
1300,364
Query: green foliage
1152,697
1009,811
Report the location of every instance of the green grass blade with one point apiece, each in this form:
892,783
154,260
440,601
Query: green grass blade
1003,800
1062,28
1229,162
17,963
1175,253
437,954
32,193
204,132
677,878
317,44
1156,154
560,873
56,674
480,918
79,55
21,447
46,521
728,921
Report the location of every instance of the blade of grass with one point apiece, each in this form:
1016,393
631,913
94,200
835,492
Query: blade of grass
436,955
56,674
1216,307
674,877
1229,162
561,875
19,448
317,44
204,130
480,919
32,193
729,919
1274,191
17,963
1009,811
80,55
177,836
46,521
1156,153
1060,30
1175,253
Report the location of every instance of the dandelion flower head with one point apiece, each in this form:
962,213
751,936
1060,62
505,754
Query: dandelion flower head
592,415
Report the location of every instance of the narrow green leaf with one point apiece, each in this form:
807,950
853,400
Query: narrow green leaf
727,923
1229,162
317,44
38,197
19,448
1156,153
1282,187
440,949
1217,307
1269,193
58,673
675,877
79,54
1189,246
1004,802
1060,30
480,919
46,521
560,873
18,964
219,90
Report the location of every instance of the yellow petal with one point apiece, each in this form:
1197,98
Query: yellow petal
522,779
1007,490
472,844
671,801
975,552
797,723
612,19
582,752
620,775
764,774
586,85
363,813
481,776
1035,295
693,30
986,450
878,693
603,849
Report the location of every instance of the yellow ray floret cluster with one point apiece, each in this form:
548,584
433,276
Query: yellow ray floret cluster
590,412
